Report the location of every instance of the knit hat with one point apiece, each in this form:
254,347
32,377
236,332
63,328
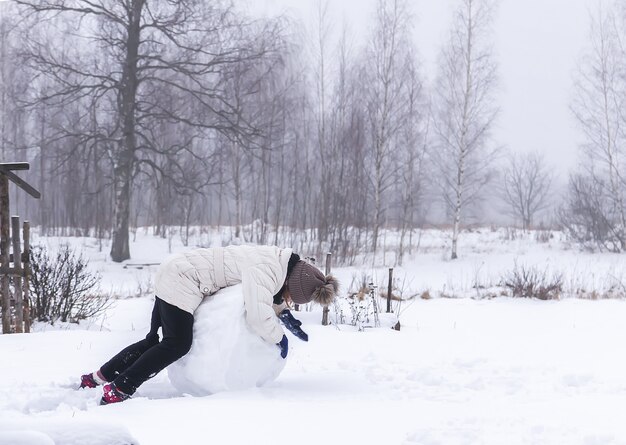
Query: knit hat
307,283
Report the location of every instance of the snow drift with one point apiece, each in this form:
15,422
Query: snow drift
63,432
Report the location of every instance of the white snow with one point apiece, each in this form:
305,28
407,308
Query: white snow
225,354
461,370
66,431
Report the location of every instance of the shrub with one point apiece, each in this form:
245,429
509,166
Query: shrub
360,304
543,236
62,288
591,216
530,282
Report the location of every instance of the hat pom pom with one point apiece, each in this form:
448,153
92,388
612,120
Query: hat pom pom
325,294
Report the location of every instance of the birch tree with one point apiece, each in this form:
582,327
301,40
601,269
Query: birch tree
465,110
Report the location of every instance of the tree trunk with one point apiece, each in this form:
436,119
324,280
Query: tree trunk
120,249
4,253
457,208
123,170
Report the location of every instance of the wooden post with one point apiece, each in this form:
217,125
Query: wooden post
326,310
4,253
389,289
17,278
26,260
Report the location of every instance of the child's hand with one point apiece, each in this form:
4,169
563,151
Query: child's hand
293,324
283,346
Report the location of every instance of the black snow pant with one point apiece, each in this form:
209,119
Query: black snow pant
143,360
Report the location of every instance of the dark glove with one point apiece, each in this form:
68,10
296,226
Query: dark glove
283,346
293,324
286,314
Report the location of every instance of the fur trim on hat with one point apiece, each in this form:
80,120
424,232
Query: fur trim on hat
324,295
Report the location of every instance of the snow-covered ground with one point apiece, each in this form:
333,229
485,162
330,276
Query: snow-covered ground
460,371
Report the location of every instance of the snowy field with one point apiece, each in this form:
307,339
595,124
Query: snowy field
466,370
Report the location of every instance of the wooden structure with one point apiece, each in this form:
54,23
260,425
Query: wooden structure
20,272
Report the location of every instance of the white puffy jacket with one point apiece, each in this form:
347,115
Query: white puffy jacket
184,279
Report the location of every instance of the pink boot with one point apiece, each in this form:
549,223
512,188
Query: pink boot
92,380
112,394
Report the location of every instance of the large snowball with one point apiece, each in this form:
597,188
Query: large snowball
225,354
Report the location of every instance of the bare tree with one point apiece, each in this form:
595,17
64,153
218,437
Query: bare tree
527,182
165,65
586,214
321,34
386,101
465,110
413,148
14,82
599,104
4,77
346,155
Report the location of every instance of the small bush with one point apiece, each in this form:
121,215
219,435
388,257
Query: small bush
360,304
543,236
530,282
361,308
62,288
510,234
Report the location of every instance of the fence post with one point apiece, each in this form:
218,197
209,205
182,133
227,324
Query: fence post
26,260
17,264
389,290
4,254
326,310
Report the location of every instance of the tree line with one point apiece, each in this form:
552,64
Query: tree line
191,113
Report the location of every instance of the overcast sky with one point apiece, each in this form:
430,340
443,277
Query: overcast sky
538,44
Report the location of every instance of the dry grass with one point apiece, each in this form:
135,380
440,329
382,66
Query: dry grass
530,282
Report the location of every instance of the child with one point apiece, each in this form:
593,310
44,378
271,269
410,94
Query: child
269,277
